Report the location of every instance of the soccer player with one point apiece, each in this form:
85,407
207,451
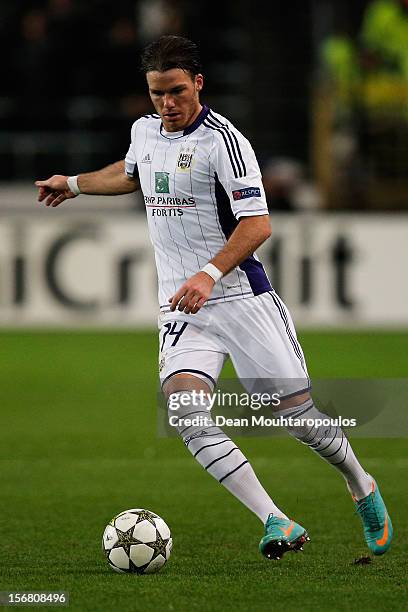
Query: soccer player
207,215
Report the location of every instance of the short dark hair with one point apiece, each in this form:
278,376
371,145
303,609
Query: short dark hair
171,52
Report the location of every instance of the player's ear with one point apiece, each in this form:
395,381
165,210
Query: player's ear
199,82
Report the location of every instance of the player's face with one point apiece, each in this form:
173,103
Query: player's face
175,96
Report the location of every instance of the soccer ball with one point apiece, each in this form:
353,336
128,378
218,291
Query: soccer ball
137,541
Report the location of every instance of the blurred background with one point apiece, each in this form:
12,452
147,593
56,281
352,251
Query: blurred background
320,88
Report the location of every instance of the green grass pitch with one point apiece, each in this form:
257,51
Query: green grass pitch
79,444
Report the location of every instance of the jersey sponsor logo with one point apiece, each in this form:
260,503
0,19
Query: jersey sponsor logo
167,212
161,181
168,202
147,159
185,159
248,192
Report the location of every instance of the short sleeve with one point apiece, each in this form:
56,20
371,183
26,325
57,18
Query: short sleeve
238,171
130,159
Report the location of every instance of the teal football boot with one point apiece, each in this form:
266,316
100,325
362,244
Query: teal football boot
376,521
280,536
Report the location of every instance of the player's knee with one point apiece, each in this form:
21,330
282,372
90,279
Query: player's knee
187,397
189,413
293,402
184,382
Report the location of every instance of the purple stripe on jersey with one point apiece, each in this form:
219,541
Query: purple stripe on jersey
256,274
253,268
198,121
227,219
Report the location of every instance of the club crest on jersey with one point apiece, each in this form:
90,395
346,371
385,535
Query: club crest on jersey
185,159
162,182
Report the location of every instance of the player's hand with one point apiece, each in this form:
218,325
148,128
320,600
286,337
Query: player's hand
193,294
54,190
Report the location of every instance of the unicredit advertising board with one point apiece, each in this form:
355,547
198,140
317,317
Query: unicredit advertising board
66,267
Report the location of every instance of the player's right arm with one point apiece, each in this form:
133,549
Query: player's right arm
111,180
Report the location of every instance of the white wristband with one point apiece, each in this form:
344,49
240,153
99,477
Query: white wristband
72,182
212,271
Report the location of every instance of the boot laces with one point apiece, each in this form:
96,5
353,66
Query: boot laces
368,511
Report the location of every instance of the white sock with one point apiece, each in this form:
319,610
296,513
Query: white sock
221,458
246,487
331,444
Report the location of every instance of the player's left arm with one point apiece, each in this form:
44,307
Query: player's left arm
249,234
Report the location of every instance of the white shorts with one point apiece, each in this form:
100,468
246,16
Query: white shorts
257,333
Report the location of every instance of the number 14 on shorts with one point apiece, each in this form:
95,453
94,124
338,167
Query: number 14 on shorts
172,332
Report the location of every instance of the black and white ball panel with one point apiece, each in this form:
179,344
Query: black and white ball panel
137,541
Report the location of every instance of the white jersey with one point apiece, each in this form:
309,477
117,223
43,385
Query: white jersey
197,184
